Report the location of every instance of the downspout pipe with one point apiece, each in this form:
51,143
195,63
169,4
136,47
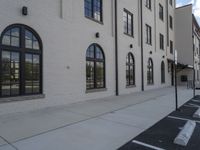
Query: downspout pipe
142,50
116,51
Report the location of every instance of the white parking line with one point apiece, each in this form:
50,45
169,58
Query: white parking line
196,101
184,119
147,145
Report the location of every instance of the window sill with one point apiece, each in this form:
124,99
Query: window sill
132,36
152,84
100,22
21,98
150,44
96,90
130,86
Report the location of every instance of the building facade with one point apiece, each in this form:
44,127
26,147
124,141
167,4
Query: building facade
187,34
69,51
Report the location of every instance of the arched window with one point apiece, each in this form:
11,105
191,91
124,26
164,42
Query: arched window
150,72
162,72
130,70
95,67
21,57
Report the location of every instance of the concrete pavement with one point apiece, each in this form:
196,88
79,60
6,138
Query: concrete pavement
102,124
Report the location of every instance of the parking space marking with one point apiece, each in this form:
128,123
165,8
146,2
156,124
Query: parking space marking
147,145
194,105
191,106
195,101
184,119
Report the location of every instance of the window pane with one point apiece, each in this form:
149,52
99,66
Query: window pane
10,73
88,8
90,52
99,54
15,32
90,74
100,75
6,40
15,41
11,37
31,41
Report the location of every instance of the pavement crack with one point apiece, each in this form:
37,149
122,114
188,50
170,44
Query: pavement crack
13,146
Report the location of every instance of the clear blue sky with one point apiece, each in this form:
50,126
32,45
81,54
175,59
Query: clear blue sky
196,6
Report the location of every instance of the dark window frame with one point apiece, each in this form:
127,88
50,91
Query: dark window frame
126,32
171,47
92,16
22,50
130,62
96,60
161,12
161,41
171,2
148,34
148,4
162,72
171,22
150,72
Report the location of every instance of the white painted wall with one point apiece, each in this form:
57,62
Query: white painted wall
66,34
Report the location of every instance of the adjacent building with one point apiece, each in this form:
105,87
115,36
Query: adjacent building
187,35
69,51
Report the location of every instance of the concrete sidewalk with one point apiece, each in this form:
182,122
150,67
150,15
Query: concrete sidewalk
103,124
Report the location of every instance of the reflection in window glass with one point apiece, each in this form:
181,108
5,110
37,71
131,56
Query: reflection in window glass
32,74
95,67
31,41
11,37
130,70
10,73
20,63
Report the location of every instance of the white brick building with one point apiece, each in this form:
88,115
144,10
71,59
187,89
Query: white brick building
126,44
187,33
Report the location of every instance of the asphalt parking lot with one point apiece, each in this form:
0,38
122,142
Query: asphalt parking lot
161,135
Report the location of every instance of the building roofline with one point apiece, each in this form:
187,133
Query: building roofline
184,6
195,22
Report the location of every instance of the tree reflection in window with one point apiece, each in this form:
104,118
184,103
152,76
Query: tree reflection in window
95,67
21,53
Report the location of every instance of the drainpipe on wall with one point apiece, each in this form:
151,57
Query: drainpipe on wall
116,51
142,51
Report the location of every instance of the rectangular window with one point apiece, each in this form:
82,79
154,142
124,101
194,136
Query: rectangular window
32,73
148,35
171,2
128,22
171,22
161,12
171,47
161,41
93,9
148,4
10,73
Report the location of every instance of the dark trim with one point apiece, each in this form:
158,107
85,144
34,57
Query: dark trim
142,50
95,60
167,14
116,50
194,86
132,23
92,19
22,50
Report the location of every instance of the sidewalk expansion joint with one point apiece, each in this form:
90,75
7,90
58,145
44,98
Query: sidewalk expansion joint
9,143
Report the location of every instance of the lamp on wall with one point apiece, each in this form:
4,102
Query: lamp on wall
150,52
24,11
131,45
163,56
97,35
